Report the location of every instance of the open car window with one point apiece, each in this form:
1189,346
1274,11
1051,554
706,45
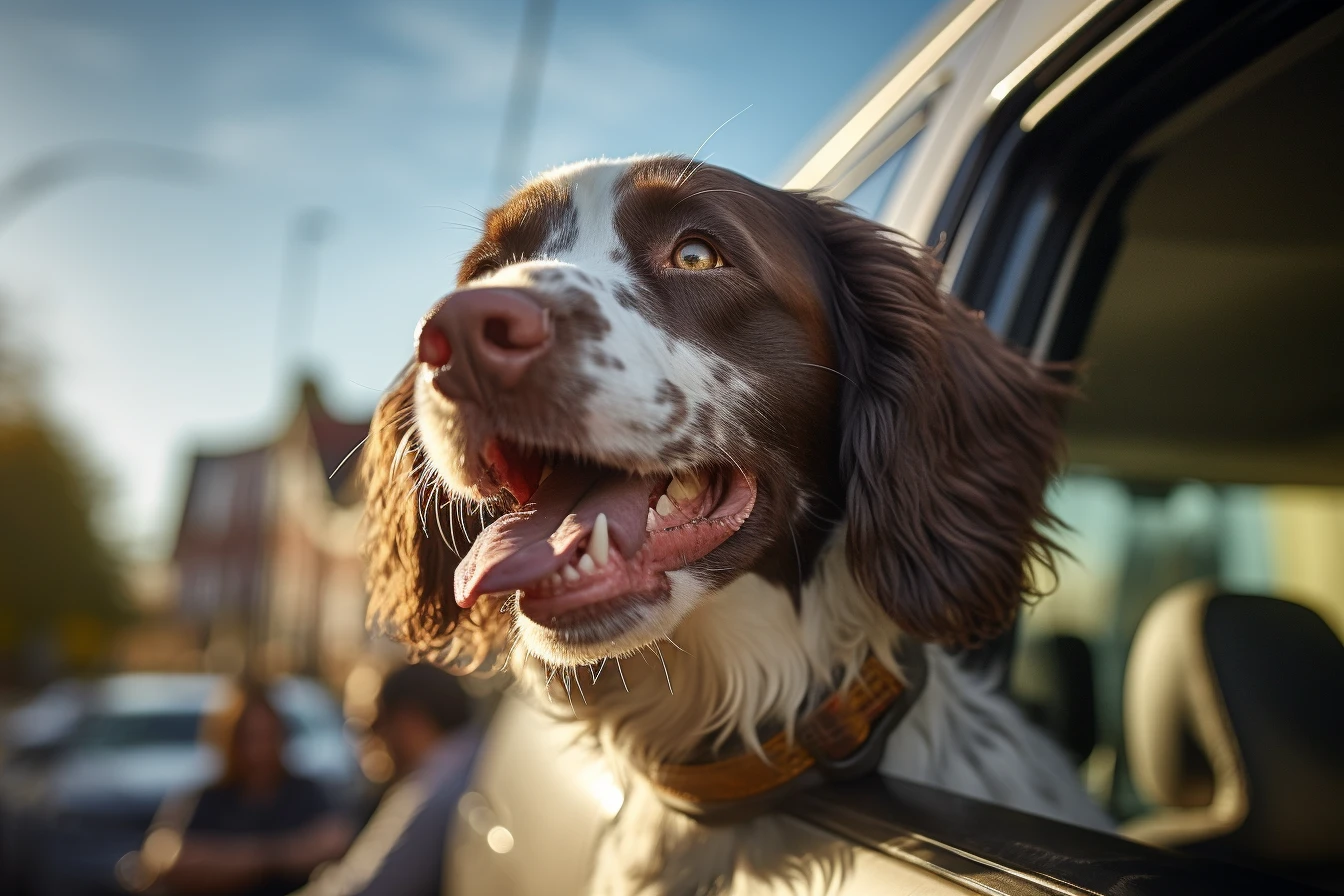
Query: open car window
1201,293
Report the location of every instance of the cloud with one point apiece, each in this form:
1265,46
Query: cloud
459,58
80,48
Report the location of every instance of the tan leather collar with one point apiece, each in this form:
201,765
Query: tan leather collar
827,736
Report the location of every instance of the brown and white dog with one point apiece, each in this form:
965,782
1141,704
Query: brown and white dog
670,406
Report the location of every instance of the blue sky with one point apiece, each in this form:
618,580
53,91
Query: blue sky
152,304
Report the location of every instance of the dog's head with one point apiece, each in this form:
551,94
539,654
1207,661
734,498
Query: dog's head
656,376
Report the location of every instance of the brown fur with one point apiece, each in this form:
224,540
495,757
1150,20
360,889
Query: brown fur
410,562
948,441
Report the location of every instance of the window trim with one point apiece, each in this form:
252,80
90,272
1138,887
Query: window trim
899,138
908,81
1061,162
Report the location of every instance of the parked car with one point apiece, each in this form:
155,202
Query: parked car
1150,191
135,742
31,738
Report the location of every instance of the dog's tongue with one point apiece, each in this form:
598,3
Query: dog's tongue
521,548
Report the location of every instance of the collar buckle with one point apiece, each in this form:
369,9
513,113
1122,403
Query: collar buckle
847,733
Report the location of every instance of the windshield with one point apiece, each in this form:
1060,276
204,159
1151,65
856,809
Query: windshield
142,729
125,730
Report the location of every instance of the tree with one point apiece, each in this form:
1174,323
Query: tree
56,575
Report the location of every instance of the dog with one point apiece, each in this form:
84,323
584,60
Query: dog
740,433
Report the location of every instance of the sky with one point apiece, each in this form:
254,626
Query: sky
152,300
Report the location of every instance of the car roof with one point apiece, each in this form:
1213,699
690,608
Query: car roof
153,692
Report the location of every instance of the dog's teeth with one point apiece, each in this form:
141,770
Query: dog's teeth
665,507
651,521
555,580
586,564
599,543
546,471
570,573
685,485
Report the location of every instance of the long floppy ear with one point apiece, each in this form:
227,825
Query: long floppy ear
948,442
413,539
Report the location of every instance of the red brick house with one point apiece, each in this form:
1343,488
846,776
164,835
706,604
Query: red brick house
267,549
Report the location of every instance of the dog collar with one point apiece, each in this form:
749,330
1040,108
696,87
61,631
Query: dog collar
842,738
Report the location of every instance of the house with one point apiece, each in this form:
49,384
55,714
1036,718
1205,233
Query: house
267,550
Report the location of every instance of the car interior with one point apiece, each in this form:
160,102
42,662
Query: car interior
1190,656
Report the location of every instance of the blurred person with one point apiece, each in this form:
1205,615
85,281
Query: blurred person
424,721
258,830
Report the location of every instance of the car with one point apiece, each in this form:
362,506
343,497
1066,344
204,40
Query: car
1144,194
31,738
135,742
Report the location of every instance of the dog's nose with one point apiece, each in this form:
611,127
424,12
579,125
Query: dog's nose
480,340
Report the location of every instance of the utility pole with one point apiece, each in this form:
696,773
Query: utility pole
309,230
520,113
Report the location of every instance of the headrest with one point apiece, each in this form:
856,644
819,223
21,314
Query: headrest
1234,724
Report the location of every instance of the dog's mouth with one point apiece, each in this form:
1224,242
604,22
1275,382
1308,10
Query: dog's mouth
587,533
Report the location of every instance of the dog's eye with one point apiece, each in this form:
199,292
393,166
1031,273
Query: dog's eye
694,254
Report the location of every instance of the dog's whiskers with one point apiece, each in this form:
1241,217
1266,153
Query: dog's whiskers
676,645
455,516
474,213
681,178
696,169
550,676
666,674
721,190
569,693
423,507
821,367
399,454
349,455
513,645
438,521
725,453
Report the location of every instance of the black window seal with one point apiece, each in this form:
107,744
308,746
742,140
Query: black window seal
1060,163
985,156
993,849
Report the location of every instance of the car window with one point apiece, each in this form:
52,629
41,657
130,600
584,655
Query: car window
308,718
105,731
307,708
869,196
1207,444
1130,542
129,730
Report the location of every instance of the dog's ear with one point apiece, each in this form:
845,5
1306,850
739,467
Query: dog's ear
948,441
409,554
